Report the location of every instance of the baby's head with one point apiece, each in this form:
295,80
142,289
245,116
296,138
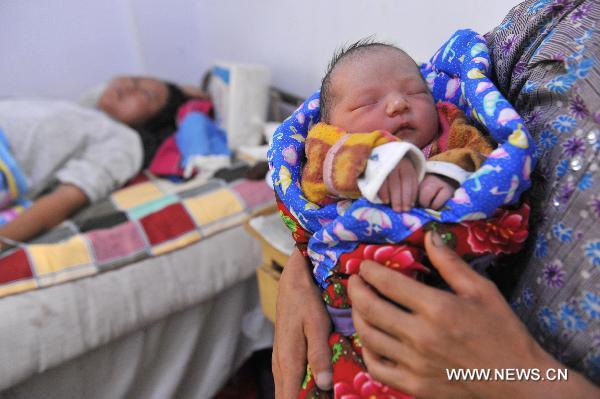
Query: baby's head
376,86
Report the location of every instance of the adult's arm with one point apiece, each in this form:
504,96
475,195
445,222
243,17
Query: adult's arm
302,330
194,91
111,156
470,328
46,212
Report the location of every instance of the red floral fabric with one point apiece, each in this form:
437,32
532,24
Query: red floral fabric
504,233
351,379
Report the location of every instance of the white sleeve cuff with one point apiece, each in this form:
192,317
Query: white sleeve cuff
382,161
448,170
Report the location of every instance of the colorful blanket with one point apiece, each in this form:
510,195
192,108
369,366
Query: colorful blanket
458,73
146,219
483,217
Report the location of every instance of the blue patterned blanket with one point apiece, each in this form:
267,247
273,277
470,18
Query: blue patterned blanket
460,73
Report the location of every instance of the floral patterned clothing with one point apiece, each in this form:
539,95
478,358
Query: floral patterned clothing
546,60
484,217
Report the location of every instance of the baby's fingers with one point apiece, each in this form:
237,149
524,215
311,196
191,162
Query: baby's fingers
409,186
396,190
384,192
441,197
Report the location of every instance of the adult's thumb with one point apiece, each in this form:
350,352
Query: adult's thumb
453,269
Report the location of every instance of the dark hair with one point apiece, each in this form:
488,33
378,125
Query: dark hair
163,124
341,54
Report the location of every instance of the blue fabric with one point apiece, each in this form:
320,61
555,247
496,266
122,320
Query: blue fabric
199,135
10,172
459,72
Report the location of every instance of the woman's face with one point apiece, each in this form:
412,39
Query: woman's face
133,100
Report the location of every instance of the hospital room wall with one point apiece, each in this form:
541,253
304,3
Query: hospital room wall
59,48
62,47
297,38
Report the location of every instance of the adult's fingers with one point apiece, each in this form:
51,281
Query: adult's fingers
298,297
378,312
393,375
290,362
275,368
399,288
381,343
319,354
454,270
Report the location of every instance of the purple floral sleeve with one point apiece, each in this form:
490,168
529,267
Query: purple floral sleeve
546,56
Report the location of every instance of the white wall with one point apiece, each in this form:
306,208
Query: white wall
61,47
171,37
297,38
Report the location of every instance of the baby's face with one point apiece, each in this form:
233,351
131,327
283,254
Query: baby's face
383,90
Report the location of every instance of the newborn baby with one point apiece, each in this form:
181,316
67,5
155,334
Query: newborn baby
380,123
382,137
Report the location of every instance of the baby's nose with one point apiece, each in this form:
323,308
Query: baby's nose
396,105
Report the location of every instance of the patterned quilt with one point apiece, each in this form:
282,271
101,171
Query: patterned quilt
146,219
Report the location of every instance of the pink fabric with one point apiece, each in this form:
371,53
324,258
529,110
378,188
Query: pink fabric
201,105
444,133
116,242
328,165
427,150
167,159
253,192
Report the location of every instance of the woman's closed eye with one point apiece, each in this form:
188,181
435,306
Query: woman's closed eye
148,94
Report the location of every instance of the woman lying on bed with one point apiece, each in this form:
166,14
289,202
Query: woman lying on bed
62,155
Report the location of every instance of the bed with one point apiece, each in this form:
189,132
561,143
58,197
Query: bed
150,293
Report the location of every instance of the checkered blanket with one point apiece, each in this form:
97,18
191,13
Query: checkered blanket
146,219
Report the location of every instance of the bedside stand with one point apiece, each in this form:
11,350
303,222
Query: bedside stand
277,245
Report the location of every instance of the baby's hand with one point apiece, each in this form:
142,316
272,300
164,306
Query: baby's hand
400,188
434,191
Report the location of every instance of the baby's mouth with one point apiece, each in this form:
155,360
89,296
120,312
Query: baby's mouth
403,130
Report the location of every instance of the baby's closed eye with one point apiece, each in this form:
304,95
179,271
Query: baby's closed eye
363,104
416,92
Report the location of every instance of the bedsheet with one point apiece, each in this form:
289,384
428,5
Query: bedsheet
144,220
45,329
183,356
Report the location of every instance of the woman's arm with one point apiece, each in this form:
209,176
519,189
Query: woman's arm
45,213
472,328
302,330
194,91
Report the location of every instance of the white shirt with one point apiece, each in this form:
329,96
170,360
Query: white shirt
65,142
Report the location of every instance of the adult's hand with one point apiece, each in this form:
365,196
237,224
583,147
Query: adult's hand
46,212
472,327
302,330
